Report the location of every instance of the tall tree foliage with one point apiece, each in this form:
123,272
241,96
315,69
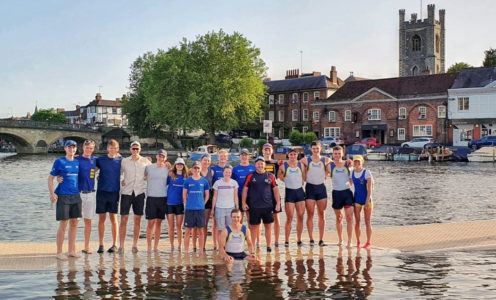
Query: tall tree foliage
213,83
49,115
456,67
489,58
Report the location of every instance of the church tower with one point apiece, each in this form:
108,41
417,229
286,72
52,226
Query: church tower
421,44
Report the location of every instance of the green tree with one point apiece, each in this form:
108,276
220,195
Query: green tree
309,137
213,83
489,58
261,142
456,67
246,143
49,115
296,138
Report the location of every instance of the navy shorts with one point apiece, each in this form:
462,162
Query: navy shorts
342,199
107,202
175,209
237,256
194,218
316,191
259,214
68,207
208,205
137,202
295,195
156,207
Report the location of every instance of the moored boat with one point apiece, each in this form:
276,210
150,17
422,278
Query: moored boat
406,154
484,154
210,149
7,154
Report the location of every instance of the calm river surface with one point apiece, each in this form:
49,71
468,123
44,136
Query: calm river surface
406,193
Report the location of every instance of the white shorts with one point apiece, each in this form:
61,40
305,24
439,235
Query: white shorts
223,217
89,205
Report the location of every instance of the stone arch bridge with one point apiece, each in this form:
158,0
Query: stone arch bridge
35,137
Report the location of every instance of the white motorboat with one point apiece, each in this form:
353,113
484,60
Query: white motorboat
7,154
484,154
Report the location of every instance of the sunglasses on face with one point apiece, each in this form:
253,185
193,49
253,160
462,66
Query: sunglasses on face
135,149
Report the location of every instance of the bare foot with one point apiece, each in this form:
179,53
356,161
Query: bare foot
73,255
61,256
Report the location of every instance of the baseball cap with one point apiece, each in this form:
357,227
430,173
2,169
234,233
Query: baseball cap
136,143
70,143
245,151
260,158
205,155
196,164
358,157
292,150
267,145
179,160
162,152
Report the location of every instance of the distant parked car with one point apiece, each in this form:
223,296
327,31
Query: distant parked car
223,138
418,142
370,142
355,150
489,140
332,141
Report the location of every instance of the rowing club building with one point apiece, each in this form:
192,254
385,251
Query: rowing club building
392,110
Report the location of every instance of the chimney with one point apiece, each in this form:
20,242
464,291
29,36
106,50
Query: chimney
78,107
267,79
334,75
117,100
294,73
98,96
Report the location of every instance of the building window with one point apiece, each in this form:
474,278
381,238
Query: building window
294,115
114,110
437,43
401,134
104,110
463,103
422,113
271,99
304,129
305,97
271,115
316,116
281,99
305,115
281,116
332,116
422,130
119,111
347,115
416,41
281,132
294,98
402,113
374,114
316,95
441,112
332,132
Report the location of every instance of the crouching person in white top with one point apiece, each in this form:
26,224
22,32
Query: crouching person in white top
234,238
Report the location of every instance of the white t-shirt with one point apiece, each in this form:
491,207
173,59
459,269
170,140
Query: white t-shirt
225,193
359,174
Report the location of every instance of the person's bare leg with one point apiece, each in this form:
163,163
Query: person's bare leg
321,210
186,239
194,233
179,226
170,230
87,234
149,233
277,228
158,232
136,231
339,225
122,230
61,235
115,225
310,206
205,229
202,241
72,237
101,227
358,221
300,212
254,231
348,211
368,223
214,233
268,233
289,207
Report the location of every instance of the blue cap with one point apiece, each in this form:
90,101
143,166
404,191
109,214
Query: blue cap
70,143
260,158
205,155
267,145
162,152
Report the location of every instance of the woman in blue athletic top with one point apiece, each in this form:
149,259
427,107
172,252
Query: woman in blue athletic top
362,180
175,205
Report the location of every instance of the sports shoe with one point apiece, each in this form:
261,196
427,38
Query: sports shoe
286,244
269,249
322,244
100,249
300,243
367,246
358,245
276,244
312,243
112,249
121,250
172,249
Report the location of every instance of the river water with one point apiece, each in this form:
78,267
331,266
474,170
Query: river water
406,193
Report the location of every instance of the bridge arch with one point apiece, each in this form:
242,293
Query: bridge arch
21,143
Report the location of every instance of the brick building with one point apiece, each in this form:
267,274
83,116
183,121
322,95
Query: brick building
393,110
290,100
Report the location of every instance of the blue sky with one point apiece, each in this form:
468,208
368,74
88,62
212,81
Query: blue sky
60,53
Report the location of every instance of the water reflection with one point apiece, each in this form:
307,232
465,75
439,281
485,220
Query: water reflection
309,273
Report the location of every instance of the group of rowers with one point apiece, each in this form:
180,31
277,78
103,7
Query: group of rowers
191,197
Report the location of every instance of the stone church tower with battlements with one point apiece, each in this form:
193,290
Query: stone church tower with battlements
422,44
